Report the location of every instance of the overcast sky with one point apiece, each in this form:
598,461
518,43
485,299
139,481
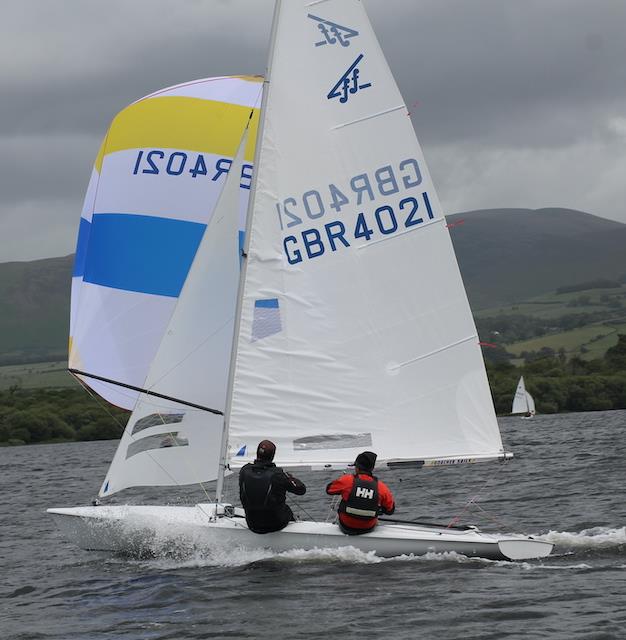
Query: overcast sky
520,103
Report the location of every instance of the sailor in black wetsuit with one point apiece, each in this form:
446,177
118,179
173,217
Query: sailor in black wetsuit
262,489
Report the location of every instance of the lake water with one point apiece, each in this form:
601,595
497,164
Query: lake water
566,485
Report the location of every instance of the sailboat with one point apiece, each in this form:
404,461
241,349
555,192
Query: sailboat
523,402
335,321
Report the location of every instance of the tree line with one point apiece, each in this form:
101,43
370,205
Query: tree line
558,384
29,416
510,328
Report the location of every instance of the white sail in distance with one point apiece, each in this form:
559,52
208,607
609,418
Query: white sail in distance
168,442
355,332
523,402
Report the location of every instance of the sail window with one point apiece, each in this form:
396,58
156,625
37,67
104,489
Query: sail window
156,419
266,320
333,441
158,441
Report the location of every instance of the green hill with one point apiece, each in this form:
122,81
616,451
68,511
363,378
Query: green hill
510,255
506,256
34,309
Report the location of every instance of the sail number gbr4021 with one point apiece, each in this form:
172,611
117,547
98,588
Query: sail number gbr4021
373,188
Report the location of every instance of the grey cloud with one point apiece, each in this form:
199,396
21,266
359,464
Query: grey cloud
504,88
485,69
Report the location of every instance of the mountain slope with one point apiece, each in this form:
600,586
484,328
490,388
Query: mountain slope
34,309
505,255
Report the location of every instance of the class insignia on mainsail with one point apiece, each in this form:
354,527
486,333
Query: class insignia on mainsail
346,326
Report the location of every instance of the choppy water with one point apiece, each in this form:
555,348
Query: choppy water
566,485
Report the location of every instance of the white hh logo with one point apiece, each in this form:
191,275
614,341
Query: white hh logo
364,493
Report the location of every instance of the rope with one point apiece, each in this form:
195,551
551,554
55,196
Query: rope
491,518
297,504
332,513
474,498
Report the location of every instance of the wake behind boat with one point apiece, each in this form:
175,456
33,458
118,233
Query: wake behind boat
337,321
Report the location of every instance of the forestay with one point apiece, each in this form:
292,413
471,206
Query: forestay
154,185
355,331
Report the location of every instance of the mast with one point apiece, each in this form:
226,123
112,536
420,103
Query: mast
242,278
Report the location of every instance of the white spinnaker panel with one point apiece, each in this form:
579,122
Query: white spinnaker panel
520,403
166,442
366,346
153,189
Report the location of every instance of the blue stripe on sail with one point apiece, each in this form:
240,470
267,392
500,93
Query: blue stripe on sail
270,303
81,247
140,253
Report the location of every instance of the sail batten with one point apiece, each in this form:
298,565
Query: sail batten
369,117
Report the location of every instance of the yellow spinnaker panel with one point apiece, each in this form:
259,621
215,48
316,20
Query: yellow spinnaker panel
193,124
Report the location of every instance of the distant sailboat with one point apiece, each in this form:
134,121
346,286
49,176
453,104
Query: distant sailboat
343,324
523,402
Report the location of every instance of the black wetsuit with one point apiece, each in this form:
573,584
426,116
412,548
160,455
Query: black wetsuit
262,489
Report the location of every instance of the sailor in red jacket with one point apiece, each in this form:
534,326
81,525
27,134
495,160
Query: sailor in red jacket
363,496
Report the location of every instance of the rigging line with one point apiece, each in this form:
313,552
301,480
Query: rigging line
177,364
489,517
473,499
297,504
146,391
193,469
103,406
332,515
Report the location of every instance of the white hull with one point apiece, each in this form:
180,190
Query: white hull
146,530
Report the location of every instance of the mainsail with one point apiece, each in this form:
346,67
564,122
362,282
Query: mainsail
355,329
153,189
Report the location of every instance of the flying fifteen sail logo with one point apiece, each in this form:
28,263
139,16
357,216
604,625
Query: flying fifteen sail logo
333,33
348,83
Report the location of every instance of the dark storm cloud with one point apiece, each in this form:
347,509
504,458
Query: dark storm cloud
518,103
535,73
